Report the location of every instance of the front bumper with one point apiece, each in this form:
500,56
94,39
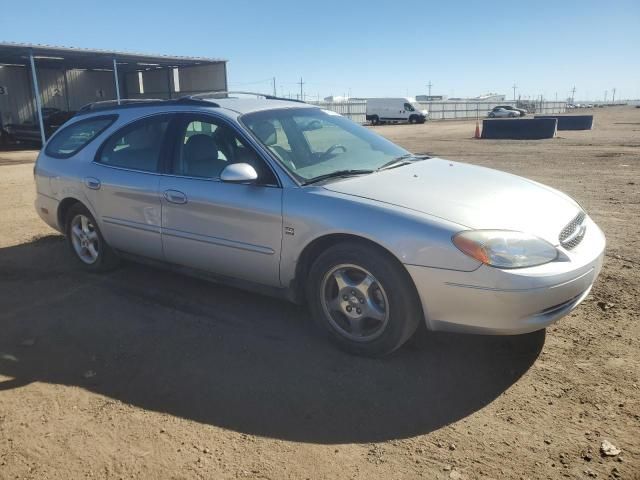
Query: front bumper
495,301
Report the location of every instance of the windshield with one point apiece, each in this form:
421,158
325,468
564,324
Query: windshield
312,142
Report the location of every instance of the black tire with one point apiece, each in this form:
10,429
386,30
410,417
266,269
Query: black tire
375,120
402,305
413,120
106,259
492,115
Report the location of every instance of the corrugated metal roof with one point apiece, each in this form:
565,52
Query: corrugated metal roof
12,52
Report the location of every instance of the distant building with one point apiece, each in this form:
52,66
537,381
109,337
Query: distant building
487,97
430,98
336,99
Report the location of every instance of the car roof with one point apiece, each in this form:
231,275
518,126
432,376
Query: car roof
250,105
227,105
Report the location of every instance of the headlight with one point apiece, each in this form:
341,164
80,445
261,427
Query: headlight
505,249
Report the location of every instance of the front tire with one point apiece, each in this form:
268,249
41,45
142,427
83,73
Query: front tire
86,243
375,120
492,115
363,298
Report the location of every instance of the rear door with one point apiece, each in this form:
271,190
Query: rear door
123,184
229,229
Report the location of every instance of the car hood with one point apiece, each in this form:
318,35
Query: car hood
471,196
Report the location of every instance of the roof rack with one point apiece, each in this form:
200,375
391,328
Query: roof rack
225,94
115,103
138,102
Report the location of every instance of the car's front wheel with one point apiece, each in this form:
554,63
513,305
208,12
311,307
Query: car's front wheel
492,115
363,298
86,242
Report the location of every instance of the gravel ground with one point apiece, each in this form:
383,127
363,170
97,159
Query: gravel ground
143,373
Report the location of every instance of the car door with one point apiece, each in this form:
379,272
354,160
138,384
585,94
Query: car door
229,229
123,184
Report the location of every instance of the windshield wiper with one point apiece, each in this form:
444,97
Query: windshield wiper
402,160
337,173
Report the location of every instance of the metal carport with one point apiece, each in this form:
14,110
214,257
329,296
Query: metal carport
33,77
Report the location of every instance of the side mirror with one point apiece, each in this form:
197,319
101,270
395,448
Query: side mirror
239,173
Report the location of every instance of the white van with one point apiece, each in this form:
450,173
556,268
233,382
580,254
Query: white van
402,109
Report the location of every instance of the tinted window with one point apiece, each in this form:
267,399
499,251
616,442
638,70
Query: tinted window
70,140
409,108
136,146
205,147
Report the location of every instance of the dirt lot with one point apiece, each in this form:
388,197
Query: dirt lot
146,374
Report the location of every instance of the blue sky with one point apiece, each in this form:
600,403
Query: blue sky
368,48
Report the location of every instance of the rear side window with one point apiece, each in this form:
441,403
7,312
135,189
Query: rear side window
70,140
137,146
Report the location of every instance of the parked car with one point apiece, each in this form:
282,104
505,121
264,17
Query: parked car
29,132
290,199
520,111
387,110
500,112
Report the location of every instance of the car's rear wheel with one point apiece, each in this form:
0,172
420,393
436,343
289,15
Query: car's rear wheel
375,120
363,298
86,242
492,115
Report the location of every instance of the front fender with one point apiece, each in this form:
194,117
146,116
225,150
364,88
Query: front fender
412,237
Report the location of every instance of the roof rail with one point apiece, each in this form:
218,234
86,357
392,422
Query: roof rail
226,93
115,103
138,102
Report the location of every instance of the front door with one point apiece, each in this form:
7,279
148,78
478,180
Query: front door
229,229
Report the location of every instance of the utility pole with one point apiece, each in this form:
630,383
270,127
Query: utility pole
301,94
274,87
573,94
556,96
514,91
605,95
613,100
429,85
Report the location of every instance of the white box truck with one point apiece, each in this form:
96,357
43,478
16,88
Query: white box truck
401,109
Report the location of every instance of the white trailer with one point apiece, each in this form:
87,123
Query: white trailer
400,109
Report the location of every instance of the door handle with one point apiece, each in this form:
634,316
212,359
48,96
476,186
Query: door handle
174,196
92,183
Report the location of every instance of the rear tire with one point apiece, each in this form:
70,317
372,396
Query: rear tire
492,115
363,298
86,243
375,120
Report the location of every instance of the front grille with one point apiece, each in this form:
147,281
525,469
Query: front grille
573,233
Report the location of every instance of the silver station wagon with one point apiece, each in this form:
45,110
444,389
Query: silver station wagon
286,198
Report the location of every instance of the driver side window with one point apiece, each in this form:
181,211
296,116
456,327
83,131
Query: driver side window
206,147
409,108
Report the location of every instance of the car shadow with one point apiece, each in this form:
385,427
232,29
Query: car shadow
236,360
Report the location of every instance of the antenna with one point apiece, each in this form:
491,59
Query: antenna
429,85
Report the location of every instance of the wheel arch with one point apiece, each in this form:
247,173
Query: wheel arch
318,245
63,209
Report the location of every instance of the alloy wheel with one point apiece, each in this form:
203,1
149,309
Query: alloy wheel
354,302
85,239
